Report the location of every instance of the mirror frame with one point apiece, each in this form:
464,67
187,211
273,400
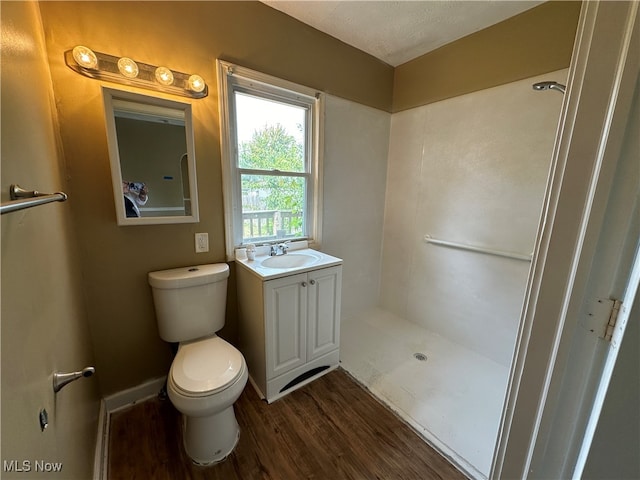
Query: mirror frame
108,95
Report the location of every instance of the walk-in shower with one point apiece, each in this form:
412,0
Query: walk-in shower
465,184
549,86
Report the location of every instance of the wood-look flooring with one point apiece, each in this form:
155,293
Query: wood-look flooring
330,429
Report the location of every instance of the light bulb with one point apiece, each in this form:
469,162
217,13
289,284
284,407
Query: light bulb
164,76
128,67
85,57
196,83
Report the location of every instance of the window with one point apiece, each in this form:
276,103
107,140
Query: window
270,158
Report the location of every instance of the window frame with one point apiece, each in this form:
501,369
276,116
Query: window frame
234,78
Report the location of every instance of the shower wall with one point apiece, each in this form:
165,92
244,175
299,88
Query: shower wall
356,143
470,169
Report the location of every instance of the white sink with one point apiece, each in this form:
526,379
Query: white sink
300,258
290,260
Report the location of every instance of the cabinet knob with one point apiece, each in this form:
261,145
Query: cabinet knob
312,282
304,284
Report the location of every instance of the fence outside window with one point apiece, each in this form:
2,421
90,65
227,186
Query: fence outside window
271,224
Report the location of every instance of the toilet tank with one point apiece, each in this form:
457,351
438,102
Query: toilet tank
190,302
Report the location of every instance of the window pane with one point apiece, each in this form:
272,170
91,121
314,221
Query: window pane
270,135
272,207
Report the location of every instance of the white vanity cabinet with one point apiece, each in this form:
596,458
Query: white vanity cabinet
302,318
289,327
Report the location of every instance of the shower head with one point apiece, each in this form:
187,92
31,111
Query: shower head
549,86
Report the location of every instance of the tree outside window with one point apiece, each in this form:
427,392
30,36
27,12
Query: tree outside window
275,152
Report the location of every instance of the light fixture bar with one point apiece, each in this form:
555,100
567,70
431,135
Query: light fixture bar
123,70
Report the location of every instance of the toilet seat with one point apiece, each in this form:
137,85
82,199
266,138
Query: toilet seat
206,367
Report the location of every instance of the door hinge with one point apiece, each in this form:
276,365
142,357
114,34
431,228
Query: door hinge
613,318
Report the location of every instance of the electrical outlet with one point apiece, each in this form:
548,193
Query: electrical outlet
202,242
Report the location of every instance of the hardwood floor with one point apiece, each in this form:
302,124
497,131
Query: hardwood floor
328,430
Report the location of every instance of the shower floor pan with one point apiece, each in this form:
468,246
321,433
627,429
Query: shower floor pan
450,395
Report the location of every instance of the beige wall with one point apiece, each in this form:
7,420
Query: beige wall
537,41
188,37
44,324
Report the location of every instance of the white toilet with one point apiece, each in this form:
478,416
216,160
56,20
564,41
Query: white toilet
208,374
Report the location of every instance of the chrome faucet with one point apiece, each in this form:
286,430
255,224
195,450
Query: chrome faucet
281,248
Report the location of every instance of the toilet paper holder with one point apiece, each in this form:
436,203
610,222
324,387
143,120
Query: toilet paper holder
61,379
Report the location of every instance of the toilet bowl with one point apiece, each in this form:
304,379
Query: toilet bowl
207,374
205,380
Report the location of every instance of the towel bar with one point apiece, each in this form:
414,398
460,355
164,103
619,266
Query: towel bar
21,199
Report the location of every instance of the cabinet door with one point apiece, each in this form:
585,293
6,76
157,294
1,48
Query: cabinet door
324,295
286,323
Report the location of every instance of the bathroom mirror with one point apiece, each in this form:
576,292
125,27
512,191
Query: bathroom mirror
151,149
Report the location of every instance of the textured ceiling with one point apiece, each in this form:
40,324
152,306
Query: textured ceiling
399,31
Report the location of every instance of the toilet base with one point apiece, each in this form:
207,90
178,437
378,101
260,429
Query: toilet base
209,440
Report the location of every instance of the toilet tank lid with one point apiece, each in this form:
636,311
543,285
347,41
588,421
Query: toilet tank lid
189,276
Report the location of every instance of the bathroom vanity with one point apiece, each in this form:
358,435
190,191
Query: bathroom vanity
289,317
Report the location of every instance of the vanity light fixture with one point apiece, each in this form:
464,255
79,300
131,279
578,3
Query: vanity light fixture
130,72
85,57
196,83
128,67
164,76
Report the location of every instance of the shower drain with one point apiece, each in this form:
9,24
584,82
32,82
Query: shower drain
420,356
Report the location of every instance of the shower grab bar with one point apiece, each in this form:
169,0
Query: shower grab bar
21,199
472,248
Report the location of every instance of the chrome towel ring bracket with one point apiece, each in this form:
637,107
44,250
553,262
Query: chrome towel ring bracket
61,379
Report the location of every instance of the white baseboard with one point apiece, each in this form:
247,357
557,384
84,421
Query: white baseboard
102,444
256,388
113,403
130,396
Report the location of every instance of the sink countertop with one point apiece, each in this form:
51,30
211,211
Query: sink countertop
266,273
